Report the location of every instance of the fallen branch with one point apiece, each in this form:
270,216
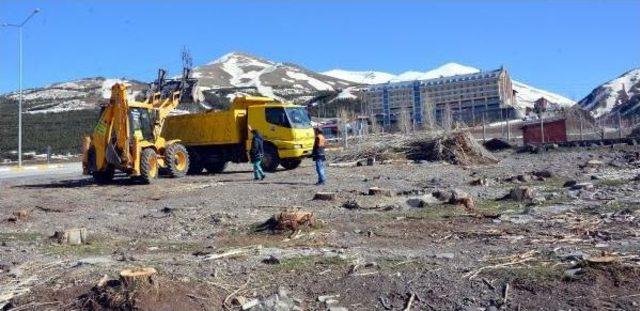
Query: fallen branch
474,273
232,252
411,298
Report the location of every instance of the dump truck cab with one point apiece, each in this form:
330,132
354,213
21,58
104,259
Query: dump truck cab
286,129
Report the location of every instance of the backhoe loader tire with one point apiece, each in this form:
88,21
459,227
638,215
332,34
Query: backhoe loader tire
103,177
148,165
177,160
216,167
290,164
271,159
100,177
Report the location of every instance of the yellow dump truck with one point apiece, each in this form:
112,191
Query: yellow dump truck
215,138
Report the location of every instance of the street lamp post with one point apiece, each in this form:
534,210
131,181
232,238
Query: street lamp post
19,26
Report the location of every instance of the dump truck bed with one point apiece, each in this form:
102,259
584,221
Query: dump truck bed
207,128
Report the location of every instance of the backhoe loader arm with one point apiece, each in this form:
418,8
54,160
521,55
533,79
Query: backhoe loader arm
112,131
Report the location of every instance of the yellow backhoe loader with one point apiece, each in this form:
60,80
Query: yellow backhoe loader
128,134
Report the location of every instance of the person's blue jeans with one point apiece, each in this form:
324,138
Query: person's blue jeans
257,170
320,170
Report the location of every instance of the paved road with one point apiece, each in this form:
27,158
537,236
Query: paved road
29,172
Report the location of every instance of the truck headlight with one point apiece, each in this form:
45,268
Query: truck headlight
297,146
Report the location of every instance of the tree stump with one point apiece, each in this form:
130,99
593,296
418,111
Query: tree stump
292,220
380,191
75,236
138,277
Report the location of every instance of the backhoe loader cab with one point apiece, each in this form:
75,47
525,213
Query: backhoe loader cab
128,136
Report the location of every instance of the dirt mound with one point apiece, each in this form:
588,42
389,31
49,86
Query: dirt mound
456,148
165,295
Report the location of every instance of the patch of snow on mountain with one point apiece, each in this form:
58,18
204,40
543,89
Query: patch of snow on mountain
315,83
606,97
69,105
527,95
46,94
362,77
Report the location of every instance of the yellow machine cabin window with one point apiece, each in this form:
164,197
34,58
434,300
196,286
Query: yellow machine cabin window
140,124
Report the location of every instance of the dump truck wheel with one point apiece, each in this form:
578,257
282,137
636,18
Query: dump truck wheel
290,164
177,160
216,167
148,165
195,164
271,158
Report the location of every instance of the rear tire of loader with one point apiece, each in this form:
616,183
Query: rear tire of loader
271,159
100,177
177,160
148,165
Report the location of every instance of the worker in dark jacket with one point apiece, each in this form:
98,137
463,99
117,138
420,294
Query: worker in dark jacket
256,153
318,155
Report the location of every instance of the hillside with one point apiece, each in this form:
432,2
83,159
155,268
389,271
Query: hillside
278,80
526,96
620,95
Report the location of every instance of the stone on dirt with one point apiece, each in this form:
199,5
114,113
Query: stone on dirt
351,204
573,274
75,236
271,260
324,196
522,193
380,191
422,201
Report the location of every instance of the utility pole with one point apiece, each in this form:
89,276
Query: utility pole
20,26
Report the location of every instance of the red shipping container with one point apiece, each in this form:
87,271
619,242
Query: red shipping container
555,131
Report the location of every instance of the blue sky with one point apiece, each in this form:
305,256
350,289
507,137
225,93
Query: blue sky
567,47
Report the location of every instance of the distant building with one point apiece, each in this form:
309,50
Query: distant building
468,98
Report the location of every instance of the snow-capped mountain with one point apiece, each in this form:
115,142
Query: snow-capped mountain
269,78
80,94
526,95
620,95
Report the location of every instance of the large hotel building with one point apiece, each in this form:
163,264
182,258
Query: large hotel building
467,98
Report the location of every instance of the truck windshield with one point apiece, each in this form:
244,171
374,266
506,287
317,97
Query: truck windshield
296,117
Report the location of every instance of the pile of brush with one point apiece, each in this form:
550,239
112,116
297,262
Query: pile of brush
459,148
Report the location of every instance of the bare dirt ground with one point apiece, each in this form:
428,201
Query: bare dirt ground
569,248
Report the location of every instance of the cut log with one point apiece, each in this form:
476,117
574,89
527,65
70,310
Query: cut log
137,277
75,236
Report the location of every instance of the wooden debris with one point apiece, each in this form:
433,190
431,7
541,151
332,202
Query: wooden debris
233,252
75,236
456,148
137,277
20,215
103,281
409,302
